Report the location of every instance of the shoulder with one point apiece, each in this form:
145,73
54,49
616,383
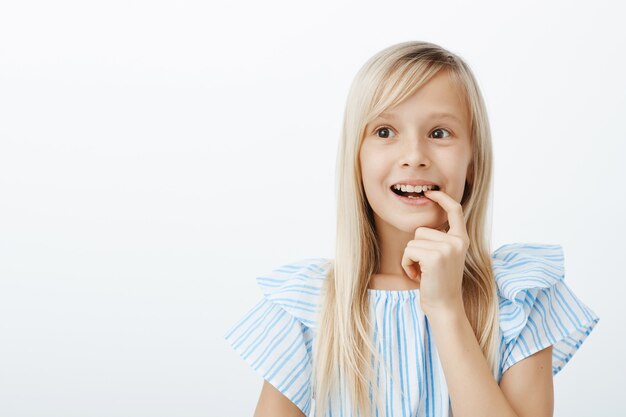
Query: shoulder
537,308
522,271
296,287
520,267
275,336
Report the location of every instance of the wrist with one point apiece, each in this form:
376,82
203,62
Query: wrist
453,310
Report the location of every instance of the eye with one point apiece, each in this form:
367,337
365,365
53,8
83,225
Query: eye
383,129
387,129
440,129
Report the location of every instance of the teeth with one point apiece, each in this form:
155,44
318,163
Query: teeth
413,189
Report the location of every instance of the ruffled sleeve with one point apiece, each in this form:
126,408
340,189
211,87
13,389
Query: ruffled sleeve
537,308
275,336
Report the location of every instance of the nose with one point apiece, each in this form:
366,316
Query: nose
414,152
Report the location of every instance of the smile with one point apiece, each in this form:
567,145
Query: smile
412,192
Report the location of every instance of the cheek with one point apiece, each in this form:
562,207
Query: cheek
459,189
370,168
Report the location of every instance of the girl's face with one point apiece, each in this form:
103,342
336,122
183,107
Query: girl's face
414,141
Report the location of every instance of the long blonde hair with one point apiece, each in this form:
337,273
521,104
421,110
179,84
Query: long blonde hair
343,350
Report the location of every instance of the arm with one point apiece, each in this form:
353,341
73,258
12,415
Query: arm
525,388
528,385
272,403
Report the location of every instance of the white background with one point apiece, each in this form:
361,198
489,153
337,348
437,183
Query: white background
156,156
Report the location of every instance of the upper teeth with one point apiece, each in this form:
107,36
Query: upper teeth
413,189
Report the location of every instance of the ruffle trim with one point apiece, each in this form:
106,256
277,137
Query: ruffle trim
521,271
537,307
296,287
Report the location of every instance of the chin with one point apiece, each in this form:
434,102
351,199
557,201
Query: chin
408,225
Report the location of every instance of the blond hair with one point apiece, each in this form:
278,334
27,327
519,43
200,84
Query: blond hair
344,355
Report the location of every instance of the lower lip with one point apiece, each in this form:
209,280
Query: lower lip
420,201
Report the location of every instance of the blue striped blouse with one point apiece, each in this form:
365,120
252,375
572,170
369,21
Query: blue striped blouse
537,309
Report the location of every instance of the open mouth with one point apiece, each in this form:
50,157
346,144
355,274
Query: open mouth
412,194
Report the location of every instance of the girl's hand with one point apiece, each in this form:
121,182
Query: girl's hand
436,259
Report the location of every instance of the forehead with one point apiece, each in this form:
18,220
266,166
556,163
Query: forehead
440,98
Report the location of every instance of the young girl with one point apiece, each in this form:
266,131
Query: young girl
415,316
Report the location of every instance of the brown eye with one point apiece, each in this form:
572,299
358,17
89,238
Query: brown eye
442,130
384,129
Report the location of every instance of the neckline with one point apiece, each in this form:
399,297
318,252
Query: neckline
399,294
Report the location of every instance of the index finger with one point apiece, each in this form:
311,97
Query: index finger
454,210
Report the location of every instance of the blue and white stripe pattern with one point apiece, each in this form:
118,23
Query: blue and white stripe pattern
537,310
276,336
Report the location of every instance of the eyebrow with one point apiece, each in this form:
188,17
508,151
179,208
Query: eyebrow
433,115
